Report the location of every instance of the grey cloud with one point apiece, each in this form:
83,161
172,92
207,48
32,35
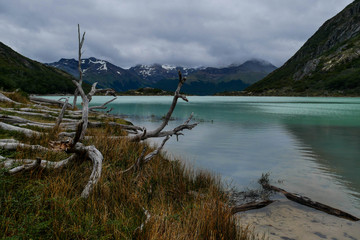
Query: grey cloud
186,32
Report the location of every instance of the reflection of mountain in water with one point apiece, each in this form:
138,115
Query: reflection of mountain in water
336,150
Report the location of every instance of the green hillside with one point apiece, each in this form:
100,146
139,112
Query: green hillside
17,71
327,64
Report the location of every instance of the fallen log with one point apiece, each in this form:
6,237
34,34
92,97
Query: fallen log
310,203
4,98
27,132
46,115
16,145
250,206
49,101
44,164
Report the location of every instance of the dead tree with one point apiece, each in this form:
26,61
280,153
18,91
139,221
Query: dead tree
81,42
158,132
78,150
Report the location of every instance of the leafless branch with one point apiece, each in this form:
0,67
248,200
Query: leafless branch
158,131
61,115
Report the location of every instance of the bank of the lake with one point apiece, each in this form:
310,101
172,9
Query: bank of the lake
163,200
311,144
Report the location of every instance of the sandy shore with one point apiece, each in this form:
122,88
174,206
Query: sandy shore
287,220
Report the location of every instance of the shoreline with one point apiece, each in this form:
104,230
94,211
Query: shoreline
287,220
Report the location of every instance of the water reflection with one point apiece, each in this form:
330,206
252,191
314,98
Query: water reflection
335,149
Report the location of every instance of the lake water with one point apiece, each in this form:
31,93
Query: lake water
311,144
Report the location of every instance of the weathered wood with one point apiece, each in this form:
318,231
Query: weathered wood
158,132
25,131
313,204
48,101
141,161
25,167
114,124
61,115
22,122
250,206
9,140
41,110
81,43
4,98
16,145
8,163
96,157
27,113
103,106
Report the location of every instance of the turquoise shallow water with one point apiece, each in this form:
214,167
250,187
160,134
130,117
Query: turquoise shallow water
312,144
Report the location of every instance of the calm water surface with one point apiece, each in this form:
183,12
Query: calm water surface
312,144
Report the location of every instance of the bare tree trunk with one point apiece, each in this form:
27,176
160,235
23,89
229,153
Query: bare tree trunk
81,42
61,115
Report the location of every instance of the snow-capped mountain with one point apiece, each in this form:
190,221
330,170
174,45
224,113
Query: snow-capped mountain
101,71
157,72
202,81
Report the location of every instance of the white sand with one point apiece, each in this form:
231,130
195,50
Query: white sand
287,220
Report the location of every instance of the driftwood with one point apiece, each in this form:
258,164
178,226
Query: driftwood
27,132
4,98
42,110
16,145
28,164
310,203
48,101
47,115
22,122
250,206
61,115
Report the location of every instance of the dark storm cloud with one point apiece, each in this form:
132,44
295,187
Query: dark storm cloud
186,32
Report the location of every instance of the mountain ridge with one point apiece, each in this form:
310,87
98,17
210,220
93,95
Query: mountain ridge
327,64
200,81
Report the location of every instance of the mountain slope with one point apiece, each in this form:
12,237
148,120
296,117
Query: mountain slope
327,64
17,71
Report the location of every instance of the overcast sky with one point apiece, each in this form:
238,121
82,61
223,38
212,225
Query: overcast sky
176,32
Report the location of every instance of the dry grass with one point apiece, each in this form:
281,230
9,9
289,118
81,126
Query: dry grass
18,96
182,203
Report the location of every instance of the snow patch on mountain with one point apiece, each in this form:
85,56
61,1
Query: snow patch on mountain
146,70
101,62
102,67
168,67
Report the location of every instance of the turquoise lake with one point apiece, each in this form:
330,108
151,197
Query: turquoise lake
311,144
